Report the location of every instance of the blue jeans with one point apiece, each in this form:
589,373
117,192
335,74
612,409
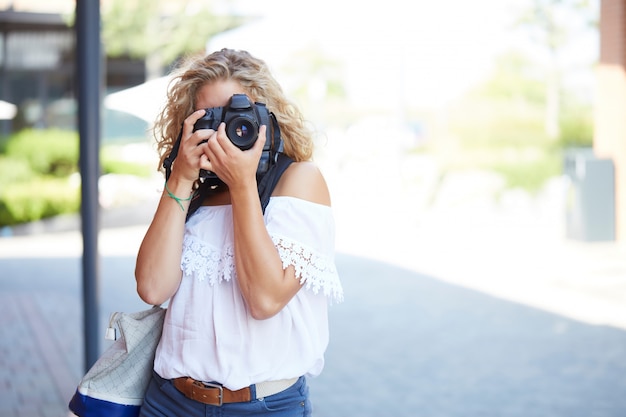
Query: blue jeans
164,400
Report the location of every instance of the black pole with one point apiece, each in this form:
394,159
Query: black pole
5,125
88,65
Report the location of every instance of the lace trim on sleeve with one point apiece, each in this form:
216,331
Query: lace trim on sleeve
207,263
315,272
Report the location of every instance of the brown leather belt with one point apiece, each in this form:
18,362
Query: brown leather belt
213,394
216,394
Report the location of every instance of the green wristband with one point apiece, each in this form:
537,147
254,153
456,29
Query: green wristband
177,199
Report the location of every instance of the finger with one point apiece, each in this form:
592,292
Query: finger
202,136
222,138
219,143
205,163
260,142
191,120
213,150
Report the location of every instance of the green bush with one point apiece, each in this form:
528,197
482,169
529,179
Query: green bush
14,170
576,129
530,175
492,124
48,152
35,168
508,137
37,199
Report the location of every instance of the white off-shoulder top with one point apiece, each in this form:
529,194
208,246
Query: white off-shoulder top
208,332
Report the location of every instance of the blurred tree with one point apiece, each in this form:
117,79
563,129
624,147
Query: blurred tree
515,77
160,30
515,95
550,24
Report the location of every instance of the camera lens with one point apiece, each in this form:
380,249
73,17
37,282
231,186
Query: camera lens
242,131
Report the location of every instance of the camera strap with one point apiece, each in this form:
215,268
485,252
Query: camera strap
269,181
169,160
266,184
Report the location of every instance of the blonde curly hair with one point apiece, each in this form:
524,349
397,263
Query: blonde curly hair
254,76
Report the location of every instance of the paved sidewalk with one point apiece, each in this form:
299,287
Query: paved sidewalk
497,316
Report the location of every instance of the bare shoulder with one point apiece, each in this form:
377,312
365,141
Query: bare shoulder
304,180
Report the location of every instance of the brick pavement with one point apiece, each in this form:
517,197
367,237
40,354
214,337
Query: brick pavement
39,370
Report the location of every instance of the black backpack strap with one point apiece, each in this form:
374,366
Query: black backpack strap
269,181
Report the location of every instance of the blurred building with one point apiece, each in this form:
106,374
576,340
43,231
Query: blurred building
37,64
610,117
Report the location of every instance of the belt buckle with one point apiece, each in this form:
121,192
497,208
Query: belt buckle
219,387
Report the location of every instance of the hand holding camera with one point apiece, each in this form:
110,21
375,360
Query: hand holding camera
243,120
222,159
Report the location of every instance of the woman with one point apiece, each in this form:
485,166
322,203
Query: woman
248,292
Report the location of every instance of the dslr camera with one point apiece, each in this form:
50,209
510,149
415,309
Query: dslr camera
243,119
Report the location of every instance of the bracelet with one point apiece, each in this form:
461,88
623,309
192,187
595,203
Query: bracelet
177,199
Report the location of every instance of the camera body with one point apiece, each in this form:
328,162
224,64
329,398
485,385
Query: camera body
243,119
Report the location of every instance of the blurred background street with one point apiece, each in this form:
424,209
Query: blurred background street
455,311
475,156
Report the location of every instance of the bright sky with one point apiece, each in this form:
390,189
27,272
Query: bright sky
421,52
